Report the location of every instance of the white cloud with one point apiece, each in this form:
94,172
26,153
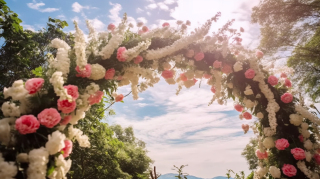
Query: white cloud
163,6
152,6
97,24
139,10
142,19
36,6
61,16
169,1
114,13
76,7
28,27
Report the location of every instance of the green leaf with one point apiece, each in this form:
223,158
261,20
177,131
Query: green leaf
38,71
50,170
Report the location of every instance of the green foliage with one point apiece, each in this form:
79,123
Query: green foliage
181,174
237,176
249,152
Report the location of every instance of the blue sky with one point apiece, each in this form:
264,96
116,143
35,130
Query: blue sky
179,129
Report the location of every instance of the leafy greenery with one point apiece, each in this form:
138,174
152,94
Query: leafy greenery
249,152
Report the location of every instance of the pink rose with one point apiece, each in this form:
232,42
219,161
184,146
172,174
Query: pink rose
226,69
261,155
67,149
49,117
27,124
138,59
33,85
167,74
238,107
199,56
65,120
195,80
317,158
145,29
72,91
250,73
166,24
283,75
183,77
301,138
65,106
298,153
95,98
247,115
287,83
85,73
111,27
190,54
206,76
119,97
217,64
120,55
282,144
286,98
272,80
245,128
110,74
289,170
213,89
259,54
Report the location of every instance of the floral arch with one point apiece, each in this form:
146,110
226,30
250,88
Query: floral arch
44,109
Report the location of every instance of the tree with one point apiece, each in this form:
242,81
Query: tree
249,152
290,28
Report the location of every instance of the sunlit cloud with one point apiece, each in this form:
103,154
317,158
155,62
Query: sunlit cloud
36,6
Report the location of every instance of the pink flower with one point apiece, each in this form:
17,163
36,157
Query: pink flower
245,128
138,59
217,64
195,80
183,77
120,55
84,73
49,117
259,54
247,115
206,76
111,27
241,29
166,24
110,74
286,98
145,29
317,158
27,124
298,153
250,73
272,80
289,170
65,120
190,53
287,83
283,75
167,74
199,56
67,149
119,97
95,98
226,69
33,85
65,106
72,91
261,155
213,89
301,138
188,23
238,107
282,144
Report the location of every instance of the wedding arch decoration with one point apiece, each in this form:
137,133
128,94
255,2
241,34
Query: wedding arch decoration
40,113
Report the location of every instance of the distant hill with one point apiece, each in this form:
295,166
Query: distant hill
172,176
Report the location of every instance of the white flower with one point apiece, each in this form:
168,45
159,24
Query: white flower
7,169
189,74
259,115
38,159
170,81
55,142
198,74
268,143
10,109
305,133
275,172
295,119
78,134
261,171
17,91
230,85
248,90
237,66
166,66
57,82
97,72
308,144
248,103
62,168
304,126
308,156
23,158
